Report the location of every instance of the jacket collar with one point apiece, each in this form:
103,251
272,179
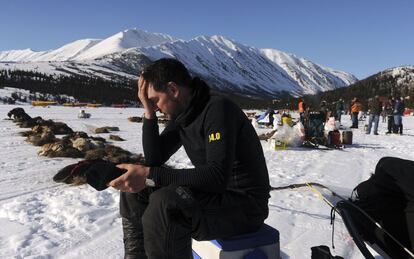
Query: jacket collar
199,99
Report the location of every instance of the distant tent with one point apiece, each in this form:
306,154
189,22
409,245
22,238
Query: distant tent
264,117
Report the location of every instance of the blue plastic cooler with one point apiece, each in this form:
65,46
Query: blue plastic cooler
262,244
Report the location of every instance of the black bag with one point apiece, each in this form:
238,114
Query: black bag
387,198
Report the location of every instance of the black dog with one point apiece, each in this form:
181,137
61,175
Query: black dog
19,114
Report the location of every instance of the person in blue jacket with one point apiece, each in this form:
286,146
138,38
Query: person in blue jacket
226,192
399,108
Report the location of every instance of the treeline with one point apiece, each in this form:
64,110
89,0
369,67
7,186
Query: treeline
95,89
83,88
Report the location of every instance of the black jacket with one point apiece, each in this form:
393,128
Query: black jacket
220,142
375,106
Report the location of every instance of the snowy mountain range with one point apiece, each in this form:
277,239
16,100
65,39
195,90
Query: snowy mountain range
227,65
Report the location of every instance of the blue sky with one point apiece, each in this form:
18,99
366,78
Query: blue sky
357,36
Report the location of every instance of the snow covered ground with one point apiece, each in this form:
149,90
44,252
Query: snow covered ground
42,219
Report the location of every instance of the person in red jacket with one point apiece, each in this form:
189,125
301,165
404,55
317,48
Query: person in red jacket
226,192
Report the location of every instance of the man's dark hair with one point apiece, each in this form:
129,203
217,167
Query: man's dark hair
165,70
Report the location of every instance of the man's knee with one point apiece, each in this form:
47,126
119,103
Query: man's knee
159,201
166,200
162,196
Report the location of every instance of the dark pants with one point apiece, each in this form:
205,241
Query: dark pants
338,115
354,117
302,117
160,223
398,126
271,120
390,123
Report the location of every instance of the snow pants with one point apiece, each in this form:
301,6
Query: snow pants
159,223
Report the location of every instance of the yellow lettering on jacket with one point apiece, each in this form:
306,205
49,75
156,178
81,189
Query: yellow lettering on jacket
214,137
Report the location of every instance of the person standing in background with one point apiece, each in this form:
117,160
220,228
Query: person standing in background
375,109
301,109
399,108
389,112
339,107
355,109
384,114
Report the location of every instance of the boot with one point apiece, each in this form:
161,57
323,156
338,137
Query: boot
133,239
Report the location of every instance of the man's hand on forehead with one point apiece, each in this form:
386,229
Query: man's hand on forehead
148,105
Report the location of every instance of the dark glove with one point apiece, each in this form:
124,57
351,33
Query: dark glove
97,173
